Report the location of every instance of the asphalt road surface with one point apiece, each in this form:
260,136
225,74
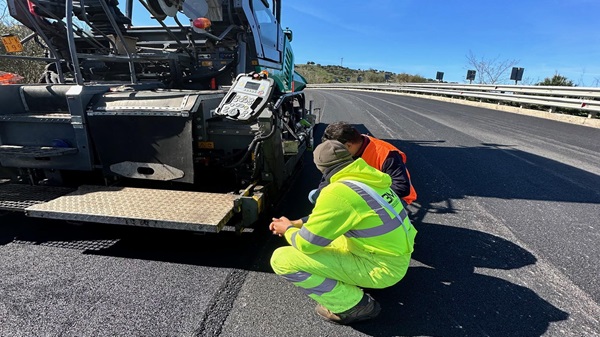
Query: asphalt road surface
509,230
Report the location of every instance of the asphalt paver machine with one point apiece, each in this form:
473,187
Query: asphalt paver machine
194,122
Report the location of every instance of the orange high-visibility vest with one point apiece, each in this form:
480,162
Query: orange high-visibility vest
376,153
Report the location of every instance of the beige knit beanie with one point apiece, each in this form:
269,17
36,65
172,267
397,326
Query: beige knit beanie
330,153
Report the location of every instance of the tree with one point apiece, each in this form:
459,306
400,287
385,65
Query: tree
30,70
489,71
408,78
557,80
374,77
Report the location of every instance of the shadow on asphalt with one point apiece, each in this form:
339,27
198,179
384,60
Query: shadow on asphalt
448,298
443,297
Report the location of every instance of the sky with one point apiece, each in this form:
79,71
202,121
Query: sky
422,37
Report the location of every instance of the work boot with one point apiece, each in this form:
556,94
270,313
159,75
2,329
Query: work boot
366,309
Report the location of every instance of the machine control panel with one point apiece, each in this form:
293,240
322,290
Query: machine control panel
246,98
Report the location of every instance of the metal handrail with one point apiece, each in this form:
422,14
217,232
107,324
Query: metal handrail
55,58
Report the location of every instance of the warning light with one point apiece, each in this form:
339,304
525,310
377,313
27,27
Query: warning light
202,23
31,7
262,74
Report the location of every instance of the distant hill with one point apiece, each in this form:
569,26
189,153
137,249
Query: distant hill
316,73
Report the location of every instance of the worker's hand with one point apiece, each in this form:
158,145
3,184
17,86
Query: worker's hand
278,226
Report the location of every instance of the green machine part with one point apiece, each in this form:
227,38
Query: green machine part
286,78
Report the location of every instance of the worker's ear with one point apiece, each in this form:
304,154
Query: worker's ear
352,147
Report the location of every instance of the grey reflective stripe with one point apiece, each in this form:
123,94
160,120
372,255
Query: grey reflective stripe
376,202
388,225
326,286
375,206
400,217
313,238
297,277
293,239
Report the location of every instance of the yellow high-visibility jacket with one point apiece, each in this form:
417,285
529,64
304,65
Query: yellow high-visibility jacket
355,221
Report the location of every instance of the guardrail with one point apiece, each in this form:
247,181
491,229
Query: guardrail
585,99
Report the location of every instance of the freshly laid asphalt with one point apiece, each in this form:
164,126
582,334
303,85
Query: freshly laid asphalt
509,224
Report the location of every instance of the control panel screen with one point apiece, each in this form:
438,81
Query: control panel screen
252,85
246,99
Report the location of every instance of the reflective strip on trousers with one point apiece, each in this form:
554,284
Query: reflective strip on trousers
296,277
324,287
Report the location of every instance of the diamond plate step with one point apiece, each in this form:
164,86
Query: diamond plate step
191,211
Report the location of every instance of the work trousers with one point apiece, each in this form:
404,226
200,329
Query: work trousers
334,275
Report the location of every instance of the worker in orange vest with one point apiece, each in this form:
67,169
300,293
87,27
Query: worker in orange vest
377,153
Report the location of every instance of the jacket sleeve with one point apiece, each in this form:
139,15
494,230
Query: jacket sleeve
394,166
332,216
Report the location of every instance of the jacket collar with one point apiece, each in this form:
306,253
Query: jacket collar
363,146
330,171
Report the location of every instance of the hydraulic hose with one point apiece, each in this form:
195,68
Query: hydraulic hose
253,143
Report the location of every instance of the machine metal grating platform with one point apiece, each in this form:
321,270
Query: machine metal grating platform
17,197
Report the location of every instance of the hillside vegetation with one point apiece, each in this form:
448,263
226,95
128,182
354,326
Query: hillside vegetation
316,73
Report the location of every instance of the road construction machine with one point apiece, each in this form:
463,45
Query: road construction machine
195,121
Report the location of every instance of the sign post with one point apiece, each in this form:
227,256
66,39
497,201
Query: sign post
516,74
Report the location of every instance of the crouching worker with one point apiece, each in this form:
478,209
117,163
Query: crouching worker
357,236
